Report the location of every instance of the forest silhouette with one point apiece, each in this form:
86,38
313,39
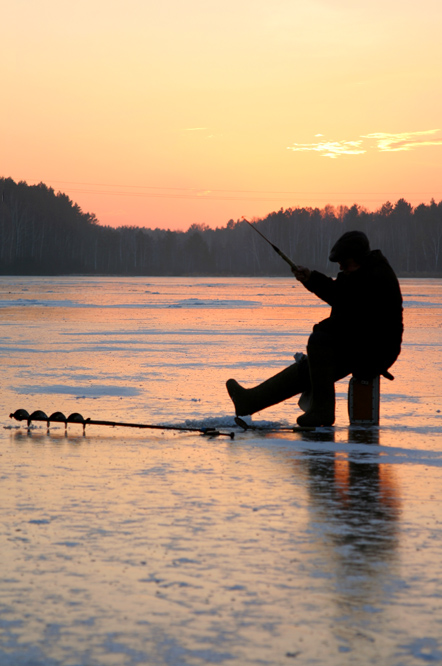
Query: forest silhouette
46,233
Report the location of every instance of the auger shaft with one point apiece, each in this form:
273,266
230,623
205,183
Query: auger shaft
58,417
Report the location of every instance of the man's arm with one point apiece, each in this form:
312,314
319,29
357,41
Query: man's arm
318,283
301,273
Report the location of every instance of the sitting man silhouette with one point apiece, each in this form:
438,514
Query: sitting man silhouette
362,336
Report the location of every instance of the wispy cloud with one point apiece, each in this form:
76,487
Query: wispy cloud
404,140
378,141
331,148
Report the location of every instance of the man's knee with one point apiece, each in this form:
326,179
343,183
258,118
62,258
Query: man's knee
319,342
323,350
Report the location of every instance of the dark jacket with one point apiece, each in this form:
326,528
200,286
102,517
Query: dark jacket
365,324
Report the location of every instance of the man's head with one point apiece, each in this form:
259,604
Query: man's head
350,250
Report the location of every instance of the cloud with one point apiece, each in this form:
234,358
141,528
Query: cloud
404,140
331,149
195,129
379,141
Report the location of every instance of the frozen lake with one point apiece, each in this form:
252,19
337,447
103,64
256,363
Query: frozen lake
127,547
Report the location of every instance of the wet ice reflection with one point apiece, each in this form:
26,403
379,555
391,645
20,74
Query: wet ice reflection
358,506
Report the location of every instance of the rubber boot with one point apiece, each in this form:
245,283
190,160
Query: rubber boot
287,383
321,411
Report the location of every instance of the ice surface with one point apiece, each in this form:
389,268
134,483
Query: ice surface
127,547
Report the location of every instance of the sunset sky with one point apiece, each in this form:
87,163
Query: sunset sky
164,114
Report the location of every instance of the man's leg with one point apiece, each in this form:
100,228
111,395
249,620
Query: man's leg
324,371
287,383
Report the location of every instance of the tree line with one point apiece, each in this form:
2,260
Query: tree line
45,233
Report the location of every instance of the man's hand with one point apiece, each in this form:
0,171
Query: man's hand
302,274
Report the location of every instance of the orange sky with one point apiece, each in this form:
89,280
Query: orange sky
173,113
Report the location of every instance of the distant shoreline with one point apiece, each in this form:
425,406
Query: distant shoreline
415,276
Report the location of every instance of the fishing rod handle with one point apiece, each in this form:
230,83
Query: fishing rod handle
285,257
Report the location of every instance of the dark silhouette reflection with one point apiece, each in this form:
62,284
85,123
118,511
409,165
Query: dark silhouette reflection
363,435
355,507
44,437
321,435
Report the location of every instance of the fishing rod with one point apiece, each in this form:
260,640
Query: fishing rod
280,252
59,417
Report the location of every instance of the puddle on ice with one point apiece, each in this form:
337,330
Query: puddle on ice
171,548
